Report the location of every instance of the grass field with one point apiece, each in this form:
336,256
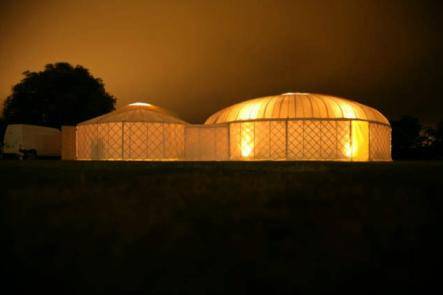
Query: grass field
220,228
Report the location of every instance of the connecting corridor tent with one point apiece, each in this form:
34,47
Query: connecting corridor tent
291,126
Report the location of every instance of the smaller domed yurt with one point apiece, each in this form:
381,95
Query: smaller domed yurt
305,126
139,131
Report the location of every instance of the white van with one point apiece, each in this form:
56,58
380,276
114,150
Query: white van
30,141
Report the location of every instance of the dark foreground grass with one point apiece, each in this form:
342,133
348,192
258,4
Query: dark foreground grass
220,228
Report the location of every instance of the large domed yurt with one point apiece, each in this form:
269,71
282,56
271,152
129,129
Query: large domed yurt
304,126
139,131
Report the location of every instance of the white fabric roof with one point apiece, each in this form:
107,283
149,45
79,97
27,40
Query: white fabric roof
136,112
297,106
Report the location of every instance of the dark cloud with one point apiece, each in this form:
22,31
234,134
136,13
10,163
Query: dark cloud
195,57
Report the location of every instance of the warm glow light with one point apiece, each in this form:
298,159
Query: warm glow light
350,150
249,112
144,104
358,147
348,111
246,147
296,93
247,140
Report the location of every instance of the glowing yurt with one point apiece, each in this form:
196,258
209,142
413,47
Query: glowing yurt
139,131
305,126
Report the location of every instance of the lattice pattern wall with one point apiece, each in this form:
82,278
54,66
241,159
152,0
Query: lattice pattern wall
308,140
315,140
379,142
207,143
130,141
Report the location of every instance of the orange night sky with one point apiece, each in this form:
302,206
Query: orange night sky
195,57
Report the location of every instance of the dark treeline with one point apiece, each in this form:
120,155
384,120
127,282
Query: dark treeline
412,140
2,129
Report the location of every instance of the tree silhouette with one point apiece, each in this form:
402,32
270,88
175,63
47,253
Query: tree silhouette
60,95
406,138
2,130
439,139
